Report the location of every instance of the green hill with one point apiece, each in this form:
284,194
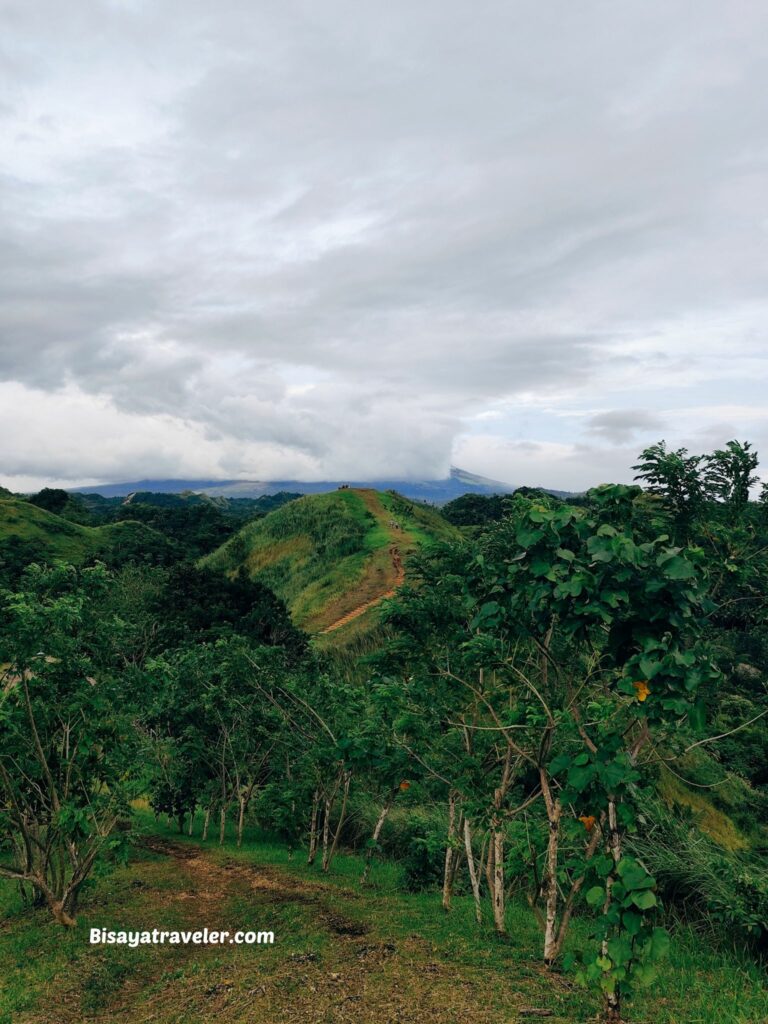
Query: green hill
29,533
332,557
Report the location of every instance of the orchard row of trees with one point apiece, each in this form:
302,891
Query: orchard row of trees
535,681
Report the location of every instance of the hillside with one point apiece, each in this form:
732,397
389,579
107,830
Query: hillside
331,557
29,533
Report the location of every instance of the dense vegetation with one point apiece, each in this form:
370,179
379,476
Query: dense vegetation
562,721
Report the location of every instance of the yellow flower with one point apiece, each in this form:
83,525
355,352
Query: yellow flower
642,689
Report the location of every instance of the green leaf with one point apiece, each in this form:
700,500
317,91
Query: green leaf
644,900
559,763
595,895
633,875
580,777
620,950
631,922
678,568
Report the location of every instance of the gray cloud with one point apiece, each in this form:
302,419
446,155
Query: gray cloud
330,238
623,425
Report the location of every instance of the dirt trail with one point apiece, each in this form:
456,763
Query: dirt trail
336,958
361,609
396,571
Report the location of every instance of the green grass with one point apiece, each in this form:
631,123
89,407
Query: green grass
50,537
323,554
422,963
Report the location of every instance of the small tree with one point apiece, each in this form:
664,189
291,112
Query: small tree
730,473
677,478
65,746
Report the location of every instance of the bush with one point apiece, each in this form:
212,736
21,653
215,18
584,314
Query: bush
708,887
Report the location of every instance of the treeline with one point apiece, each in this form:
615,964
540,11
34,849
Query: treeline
539,684
195,523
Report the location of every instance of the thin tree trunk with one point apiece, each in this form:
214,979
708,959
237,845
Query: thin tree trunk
326,830
206,822
385,809
449,852
241,820
612,999
458,848
473,876
488,868
570,903
550,883
498,880
191,828
313,823
222,824
497,841
332,851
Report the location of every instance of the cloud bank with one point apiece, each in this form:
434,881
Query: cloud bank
301,240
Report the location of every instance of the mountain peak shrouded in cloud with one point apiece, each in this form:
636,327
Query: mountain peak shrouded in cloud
338,242
435,491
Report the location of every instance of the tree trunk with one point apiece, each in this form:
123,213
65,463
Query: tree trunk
222,824
449,853
488,868
473,876
313,823
576,887
241,820
327,861
550,883
612,999
61,915
498,879
206,823
326,830
385,809
191,828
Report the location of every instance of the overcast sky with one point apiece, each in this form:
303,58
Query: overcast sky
279,239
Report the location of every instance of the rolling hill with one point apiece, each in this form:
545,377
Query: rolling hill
332,557
29,533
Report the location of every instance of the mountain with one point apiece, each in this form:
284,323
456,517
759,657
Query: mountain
437,492
332,557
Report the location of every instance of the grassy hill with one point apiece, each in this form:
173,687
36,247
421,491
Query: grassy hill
29,533
332,557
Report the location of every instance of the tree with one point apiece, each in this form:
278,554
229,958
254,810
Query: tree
730,473
618,615
677,478
65,745
52,499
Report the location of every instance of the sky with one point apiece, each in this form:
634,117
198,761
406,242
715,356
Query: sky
270,239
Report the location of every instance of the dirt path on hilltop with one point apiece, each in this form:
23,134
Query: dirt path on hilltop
400,540
397,580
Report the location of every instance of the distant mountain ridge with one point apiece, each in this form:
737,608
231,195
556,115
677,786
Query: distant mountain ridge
437,492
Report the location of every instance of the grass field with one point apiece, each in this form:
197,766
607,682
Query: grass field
341,954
